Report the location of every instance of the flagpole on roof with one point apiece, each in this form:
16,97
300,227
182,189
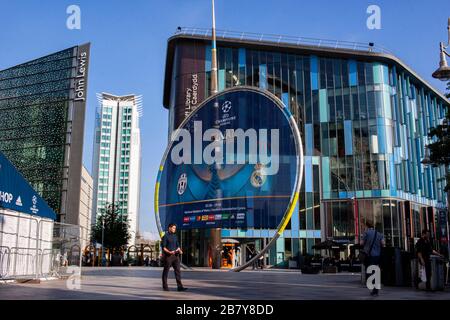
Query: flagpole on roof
213,54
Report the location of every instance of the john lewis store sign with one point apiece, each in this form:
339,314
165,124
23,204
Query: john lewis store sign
80,79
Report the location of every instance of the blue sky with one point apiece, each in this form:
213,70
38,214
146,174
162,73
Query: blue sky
129,38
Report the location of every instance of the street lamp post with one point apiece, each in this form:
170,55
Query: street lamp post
356,218
443,72
103,238
215,236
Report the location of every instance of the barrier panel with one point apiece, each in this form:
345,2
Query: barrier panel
65,252
33,247
4,261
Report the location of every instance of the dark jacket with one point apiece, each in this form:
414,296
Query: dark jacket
170,241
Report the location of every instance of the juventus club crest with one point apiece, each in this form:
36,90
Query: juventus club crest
182,184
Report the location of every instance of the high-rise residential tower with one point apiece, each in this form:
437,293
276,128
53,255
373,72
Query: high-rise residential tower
117,157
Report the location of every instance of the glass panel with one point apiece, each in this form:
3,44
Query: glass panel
352,72
323,105
348,134
326,177
314,73
263,76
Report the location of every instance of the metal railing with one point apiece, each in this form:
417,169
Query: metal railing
30,263
33,248
240,36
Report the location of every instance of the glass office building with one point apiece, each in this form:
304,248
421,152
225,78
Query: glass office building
42,108
364,118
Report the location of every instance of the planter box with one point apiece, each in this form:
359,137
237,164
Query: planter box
293,264
330,269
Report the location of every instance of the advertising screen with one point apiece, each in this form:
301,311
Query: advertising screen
233,163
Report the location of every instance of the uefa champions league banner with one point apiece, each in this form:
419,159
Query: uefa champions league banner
18,195
233,163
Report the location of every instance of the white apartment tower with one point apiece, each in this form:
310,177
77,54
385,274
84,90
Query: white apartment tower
117,156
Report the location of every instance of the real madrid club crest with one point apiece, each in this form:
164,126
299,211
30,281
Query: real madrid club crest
258,176
182,184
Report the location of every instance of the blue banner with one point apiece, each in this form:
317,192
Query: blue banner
17,194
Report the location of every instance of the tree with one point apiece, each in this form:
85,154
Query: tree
440,149
448,90
115,232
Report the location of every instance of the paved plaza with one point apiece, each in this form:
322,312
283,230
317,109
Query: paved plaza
145,283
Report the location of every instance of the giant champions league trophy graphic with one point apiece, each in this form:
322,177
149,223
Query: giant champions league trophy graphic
235,162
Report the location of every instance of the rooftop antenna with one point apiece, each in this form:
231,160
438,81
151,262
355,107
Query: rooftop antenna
213,54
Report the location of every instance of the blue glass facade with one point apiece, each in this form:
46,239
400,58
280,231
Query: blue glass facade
364,121
42,105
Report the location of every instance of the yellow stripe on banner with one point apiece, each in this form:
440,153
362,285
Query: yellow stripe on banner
156,200
289,215
156,197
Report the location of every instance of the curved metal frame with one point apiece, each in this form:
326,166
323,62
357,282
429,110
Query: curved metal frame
298,180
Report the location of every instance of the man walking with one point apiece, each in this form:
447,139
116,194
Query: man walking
424,249
171,251
372,242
